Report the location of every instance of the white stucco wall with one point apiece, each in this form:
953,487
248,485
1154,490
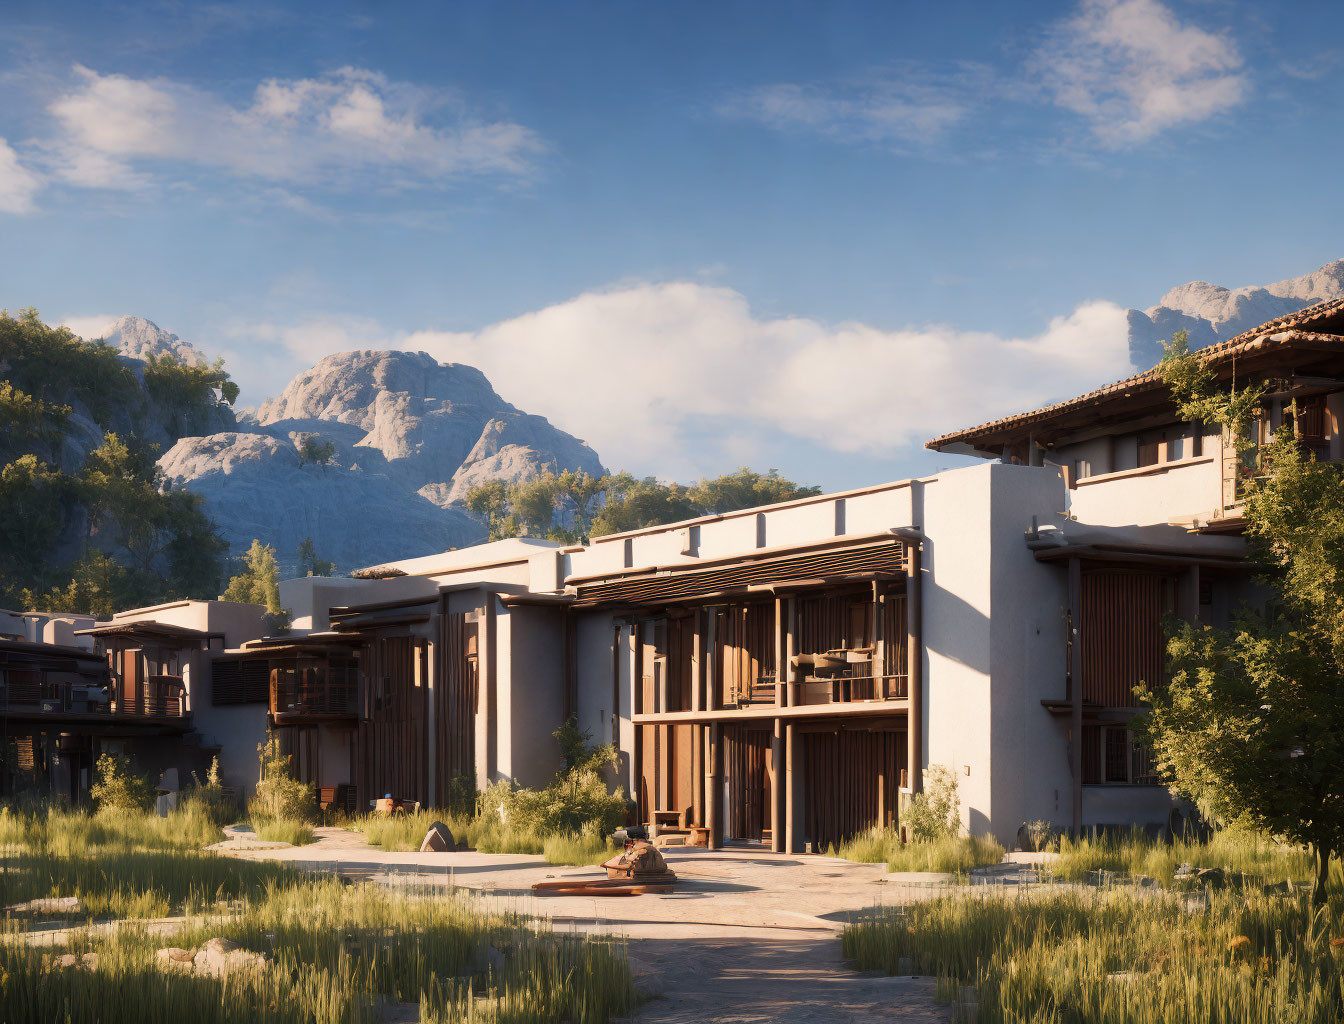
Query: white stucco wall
954,512
531,705
1152,495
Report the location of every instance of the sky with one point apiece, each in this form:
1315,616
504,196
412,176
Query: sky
697,235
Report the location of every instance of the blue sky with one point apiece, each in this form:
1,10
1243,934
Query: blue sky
795,235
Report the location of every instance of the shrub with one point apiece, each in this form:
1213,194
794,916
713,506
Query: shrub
935,813
279,796
117,788
577,798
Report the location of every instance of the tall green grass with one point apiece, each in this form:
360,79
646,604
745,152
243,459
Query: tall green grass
284,830
954,854
337,952
485,834
1238,851
1116,957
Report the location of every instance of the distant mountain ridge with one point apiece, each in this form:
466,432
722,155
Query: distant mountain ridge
410,436
1211,313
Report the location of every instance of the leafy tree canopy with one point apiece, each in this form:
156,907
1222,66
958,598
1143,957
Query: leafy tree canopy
596,506
259,580
175,383
310,564
1250,723
106,536
316,450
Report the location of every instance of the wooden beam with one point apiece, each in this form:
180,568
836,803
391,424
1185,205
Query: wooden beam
848,709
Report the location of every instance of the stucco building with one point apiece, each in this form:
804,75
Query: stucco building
787,673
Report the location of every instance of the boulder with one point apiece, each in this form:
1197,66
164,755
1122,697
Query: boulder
176,959
1214,878
88,961
439,839
49,905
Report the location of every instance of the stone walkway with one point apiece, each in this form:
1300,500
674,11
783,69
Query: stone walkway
747,936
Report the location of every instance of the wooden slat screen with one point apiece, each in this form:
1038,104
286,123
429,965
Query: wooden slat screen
847,775
1122,642
748,758
832,621
455,703
240,681
394,734
744,649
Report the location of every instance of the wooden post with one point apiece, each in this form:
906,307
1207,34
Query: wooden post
486,702
1076,691
790,649
781,659
914,647
777,812
698,662
1187,604
879,642
714,784
791,810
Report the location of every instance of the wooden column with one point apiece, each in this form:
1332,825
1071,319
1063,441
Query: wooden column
698,662
793,814
781,659
1076,691
1187,604
486,703
777,812
790,649
879,641
914,647
714,784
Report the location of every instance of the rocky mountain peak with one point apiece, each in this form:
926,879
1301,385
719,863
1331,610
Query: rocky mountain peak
409,437
140,338
1211,312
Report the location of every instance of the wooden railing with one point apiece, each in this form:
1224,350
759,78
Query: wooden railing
54,698
319,697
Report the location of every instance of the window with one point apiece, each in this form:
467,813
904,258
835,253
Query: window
1112,757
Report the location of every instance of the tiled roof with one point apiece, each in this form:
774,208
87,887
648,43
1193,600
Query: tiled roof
1277,331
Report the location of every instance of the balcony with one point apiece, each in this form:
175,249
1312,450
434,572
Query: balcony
314,694
160,697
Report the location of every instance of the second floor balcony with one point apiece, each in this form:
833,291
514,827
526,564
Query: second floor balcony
314,693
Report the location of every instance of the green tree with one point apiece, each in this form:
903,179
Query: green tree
315,450
175,383
617,502
259,581
746,489
1250,721
310,564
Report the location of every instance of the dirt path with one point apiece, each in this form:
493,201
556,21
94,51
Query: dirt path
747,936
792,980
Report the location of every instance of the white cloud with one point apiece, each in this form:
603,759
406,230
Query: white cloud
90,328
341,129
906,105
18,184
683,378
1133,70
